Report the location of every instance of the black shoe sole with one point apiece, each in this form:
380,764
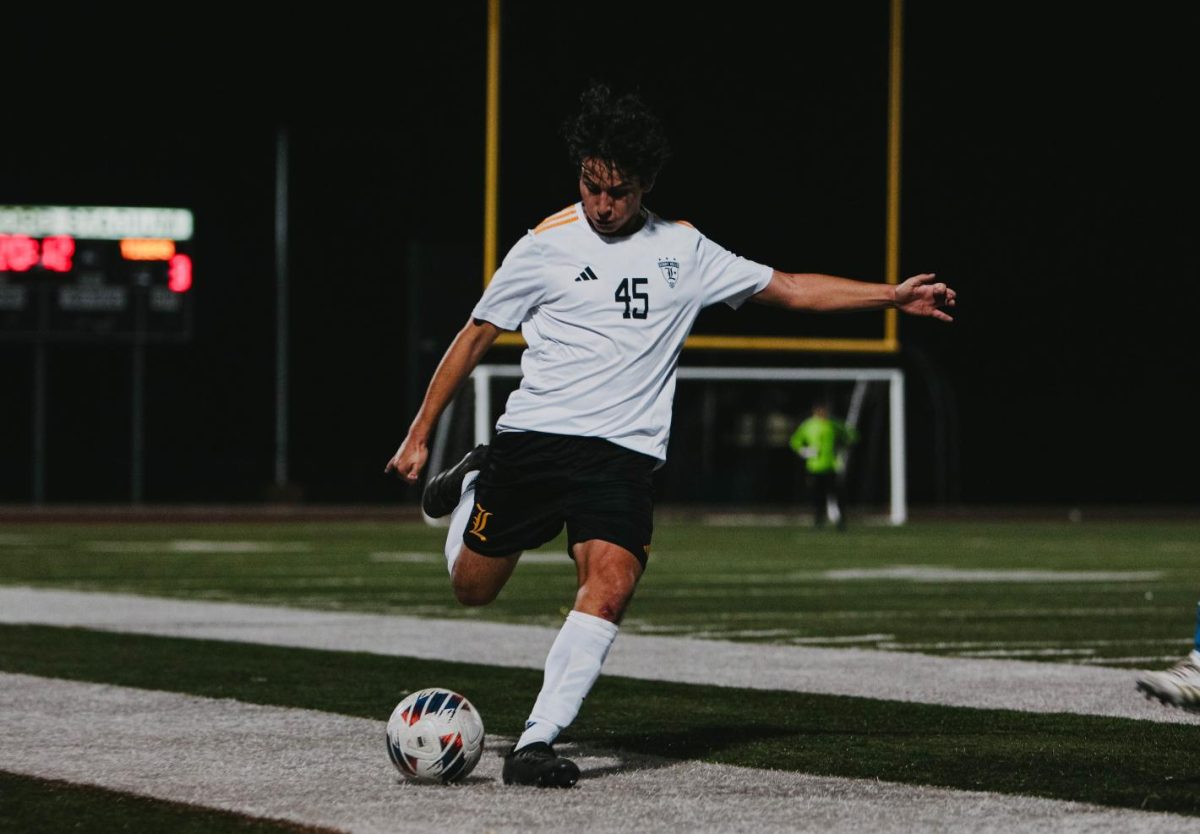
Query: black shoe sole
1154,695
562,774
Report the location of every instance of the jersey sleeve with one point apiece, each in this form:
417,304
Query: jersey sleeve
799,438
728,277
516,288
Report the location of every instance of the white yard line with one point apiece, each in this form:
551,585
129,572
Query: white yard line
940,574
899,676
192,546
331,770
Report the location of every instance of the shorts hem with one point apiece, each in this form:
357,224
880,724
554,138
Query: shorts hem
639,553
496,553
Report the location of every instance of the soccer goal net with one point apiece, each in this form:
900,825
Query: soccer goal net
729,450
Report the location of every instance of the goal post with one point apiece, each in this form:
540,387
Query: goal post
483,413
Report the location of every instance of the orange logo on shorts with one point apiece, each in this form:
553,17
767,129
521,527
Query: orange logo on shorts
479,522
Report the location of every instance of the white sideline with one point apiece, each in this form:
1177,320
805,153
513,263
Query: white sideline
330,770
898,676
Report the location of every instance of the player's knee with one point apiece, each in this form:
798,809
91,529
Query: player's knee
607,601
612,610
472,594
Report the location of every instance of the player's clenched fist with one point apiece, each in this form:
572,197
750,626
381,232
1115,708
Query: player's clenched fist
408,461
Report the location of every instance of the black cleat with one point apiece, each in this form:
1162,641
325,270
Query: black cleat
538,764
444,489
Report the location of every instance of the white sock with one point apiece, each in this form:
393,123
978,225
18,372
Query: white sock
571,669
459,519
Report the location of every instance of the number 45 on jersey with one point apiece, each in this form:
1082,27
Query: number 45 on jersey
630,294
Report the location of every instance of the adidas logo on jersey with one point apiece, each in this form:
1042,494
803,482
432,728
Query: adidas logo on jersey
586,275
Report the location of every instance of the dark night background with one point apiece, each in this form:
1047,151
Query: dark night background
1049,175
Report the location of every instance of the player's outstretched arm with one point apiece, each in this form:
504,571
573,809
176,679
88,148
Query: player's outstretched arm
920,295
464,353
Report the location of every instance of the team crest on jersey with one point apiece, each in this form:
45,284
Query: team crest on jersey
670,270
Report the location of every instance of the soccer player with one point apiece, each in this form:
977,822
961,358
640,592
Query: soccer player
820,440
604,292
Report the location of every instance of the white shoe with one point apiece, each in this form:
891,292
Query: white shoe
1178,686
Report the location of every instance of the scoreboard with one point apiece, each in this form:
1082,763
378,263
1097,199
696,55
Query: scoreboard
95,273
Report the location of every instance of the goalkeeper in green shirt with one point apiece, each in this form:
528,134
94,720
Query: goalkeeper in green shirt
821,440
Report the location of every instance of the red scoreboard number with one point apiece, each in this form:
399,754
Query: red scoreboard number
179,273
22,253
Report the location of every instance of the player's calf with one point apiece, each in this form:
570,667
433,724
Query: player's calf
478,579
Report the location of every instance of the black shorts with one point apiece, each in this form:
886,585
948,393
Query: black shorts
532,483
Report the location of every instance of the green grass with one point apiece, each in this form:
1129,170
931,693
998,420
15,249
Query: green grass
1116,762
754,584
47,806
742,583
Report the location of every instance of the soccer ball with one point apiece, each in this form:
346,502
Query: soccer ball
435,735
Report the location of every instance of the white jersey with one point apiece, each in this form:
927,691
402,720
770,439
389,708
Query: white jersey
605,320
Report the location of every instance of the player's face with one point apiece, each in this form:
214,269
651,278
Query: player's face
611,200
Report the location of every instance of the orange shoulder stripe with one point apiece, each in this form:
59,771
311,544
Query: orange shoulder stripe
558,215
564,222
684,223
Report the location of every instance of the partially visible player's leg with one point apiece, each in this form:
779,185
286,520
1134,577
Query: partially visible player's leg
505,505
1178,686
840,498
820,498
608,575
452,492
458,521
605,495
478,579
609,513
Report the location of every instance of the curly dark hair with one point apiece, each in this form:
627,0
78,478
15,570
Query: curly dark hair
619,130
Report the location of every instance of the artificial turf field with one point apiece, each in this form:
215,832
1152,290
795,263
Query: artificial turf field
1112,594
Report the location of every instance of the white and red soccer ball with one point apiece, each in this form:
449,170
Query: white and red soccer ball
435,735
